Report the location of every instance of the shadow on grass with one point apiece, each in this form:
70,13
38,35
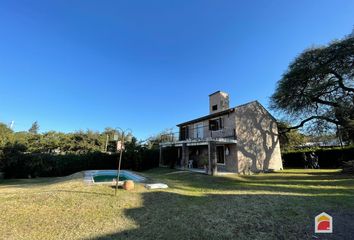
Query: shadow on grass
329,184
166,215
264,206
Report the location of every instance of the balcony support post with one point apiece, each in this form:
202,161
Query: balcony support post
185,156
161,156
212,168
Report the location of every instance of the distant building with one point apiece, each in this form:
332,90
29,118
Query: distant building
322,143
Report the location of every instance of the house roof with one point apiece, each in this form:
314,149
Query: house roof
208,117
221,113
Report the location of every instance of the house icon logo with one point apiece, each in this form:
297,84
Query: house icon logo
323,223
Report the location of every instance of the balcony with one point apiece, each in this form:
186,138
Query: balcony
198,136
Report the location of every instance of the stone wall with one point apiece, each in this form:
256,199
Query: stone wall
230,160
257,139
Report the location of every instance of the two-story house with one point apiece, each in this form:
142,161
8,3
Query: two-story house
239,139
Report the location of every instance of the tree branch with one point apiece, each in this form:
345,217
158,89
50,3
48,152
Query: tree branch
319,100
310,119
341,82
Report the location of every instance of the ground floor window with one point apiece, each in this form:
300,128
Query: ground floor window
220,156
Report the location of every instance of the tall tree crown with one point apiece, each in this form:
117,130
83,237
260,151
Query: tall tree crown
319,86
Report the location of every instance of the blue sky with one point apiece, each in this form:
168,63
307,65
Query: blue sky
149,65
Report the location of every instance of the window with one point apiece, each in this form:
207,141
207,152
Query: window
215,124
184,133
215,107
220,157
198,130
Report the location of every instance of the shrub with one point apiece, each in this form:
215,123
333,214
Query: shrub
170,156
348,167
17,164
327,157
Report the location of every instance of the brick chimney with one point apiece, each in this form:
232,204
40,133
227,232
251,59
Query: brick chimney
218,101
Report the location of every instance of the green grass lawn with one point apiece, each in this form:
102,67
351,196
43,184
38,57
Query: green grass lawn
264,206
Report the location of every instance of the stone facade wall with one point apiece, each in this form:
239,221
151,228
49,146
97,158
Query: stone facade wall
230,160
257,139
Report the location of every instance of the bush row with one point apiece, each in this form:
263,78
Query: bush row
170,156
23,165
327,158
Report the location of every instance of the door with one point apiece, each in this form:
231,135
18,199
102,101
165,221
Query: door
220,156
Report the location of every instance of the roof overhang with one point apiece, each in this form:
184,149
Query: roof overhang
230,110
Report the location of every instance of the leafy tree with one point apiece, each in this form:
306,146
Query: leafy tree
34,143
291,139
318,87
34,128
50,141
6,135
166,135
21,138
112,144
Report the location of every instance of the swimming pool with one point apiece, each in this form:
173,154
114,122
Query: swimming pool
109,176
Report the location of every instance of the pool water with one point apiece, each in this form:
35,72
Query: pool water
108,178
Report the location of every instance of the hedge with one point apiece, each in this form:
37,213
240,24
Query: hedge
327,157
24,165
170,156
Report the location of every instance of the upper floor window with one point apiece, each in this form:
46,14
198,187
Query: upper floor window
215,107
198,130
215,124
184,133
